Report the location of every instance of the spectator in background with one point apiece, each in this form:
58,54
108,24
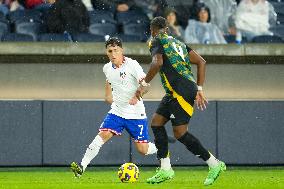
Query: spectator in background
183,10
152,8
4,7
114,5
68,16
202,31
155,8
222,14
175,29
7,6
252,18
108,5
36,4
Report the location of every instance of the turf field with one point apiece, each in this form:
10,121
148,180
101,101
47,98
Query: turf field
102,177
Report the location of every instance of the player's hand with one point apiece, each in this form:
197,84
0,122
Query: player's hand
138,95
133,100
200,100
140,92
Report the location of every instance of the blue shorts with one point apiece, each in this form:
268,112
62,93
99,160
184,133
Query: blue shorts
137,128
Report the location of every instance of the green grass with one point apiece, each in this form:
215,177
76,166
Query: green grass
105,177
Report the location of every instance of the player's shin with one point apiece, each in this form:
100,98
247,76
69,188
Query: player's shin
194,146
92,151
161,142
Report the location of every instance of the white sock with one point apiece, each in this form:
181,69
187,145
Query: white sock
166,163
151,149
92,151
212,161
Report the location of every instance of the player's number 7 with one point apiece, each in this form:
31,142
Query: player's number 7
141,129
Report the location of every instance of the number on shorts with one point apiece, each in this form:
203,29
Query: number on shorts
141,129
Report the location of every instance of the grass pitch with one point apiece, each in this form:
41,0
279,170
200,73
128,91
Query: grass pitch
106,177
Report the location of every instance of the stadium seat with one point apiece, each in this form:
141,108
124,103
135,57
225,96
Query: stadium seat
129,38
278,30
276,1
87,37
232,39
98,16
267,39
2,15
280,19
31,28
4,28
25,16
140,30
103,29
132,17
54,37
278,7
17,37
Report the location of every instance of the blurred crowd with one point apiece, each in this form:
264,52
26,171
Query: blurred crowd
192,21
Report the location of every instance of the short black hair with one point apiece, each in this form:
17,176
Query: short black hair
201,8
159,22
113,41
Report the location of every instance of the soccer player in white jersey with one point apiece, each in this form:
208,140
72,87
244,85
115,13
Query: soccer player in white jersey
123,75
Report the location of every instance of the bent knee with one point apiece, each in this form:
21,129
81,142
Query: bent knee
179,134
142,149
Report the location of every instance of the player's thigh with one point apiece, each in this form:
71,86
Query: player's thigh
158,120
162,114
112,123
179,118
105,135
178,115
180,130
138,129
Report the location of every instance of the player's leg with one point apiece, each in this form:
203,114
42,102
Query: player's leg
161,140
138,130
94,148
180,122
112,125
194,146
146,148
91,152
165,172
159,119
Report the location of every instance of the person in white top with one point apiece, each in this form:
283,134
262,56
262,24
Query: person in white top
123,76
252,18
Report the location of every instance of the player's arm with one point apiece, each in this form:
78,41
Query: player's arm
195,58
157,62
108,93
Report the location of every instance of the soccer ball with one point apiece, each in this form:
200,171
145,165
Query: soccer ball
128,172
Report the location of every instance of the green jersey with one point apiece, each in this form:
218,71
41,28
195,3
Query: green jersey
176,63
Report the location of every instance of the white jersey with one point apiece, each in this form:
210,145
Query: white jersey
124,83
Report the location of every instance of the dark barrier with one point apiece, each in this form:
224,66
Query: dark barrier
58,132
202,125
70,126
251,132
20,133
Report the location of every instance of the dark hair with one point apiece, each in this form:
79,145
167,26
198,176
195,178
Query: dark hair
168,11
159,22
113,41
204,7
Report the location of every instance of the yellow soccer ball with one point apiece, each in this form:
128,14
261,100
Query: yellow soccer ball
128,172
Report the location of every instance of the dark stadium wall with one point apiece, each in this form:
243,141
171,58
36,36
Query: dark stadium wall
41,133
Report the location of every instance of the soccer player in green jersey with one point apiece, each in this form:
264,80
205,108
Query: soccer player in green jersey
173,59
